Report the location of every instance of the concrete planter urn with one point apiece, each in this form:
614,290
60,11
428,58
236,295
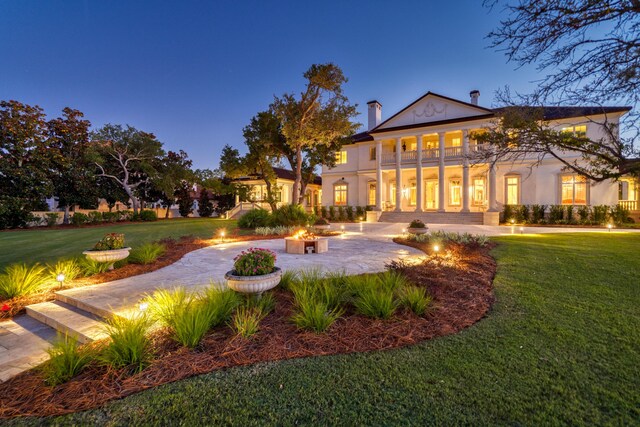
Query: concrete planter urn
322,227
253,284
110,256
423,230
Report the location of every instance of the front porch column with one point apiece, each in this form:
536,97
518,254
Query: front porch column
493,200
419,195
378,175
398,175
465,171
441,191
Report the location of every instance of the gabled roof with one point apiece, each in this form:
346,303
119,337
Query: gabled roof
482,110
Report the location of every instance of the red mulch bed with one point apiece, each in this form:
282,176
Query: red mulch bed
460,283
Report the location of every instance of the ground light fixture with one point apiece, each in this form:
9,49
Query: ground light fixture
521,230
609,226
222,233
342,228
512,221
60,279
143,306
436,249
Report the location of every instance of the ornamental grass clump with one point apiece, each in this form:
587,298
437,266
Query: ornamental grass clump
69,268
109,242
163,304
415,299
66,360
147,253
220,304
89,267
373,296
317,299
130,347
20,279
254,262
246,321
191,322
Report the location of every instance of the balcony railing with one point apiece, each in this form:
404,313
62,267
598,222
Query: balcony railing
632,205
428,154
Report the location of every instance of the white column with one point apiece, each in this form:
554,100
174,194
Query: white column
398,175
493,202
465,171
441,188
419,195
378,175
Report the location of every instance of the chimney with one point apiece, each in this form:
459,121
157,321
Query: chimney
375,114
474,94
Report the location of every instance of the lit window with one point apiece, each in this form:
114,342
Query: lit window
340,194
412,194
392,192
573,190
341,157
576,130
513,190
372,153
479,191
372,194
455,142
455,192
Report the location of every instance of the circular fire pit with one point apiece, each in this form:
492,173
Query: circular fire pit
304,242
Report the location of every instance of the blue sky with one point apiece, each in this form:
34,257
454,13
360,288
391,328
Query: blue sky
195,72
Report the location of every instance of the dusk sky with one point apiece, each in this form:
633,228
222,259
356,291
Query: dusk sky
195,72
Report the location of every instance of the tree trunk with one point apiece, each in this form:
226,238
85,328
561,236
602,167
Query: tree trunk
65,218
166,213
270,199
296,183
303,189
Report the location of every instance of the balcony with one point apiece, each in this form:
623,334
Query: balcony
429,155
631,205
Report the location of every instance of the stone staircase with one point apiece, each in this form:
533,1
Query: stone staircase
466,218
82,325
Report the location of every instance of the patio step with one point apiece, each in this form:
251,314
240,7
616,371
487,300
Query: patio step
70,320
466,218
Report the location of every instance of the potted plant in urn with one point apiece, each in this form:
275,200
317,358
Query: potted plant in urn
417,227
109,249
321,224
254,272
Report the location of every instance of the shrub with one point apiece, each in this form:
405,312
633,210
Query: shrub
246,321
523,214
163,304
254,218
332,213
323,212
110,216
79,218
321,221
20,279
190,323
599,214
341,213
51,219
147,253
205,204
316,210
393,280
147,215
66,360
90,267
15,212
416,223
556,213
110,241
569,214
277,231
129,346
619,214
507,213
537,213
361,212
289,215
583,213
254,262
70,268
125,215
349,213
415,299
94,217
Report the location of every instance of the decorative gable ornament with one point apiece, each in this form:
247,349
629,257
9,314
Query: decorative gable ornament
430,109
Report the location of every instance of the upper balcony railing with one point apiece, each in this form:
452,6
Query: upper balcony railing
429,155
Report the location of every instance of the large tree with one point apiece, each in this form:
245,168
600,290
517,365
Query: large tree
172,169
321,115
127,156
24,163
589,52
72,174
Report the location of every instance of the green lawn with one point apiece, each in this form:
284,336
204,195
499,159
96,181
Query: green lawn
44,245
561,346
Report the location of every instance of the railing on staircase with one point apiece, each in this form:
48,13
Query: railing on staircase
246,206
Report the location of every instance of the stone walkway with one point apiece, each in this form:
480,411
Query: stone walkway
363,248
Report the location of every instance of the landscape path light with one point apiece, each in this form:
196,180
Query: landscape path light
60,279
609,226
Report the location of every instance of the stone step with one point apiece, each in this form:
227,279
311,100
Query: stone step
70,320
470,218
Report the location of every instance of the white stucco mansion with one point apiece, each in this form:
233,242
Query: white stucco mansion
415,165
